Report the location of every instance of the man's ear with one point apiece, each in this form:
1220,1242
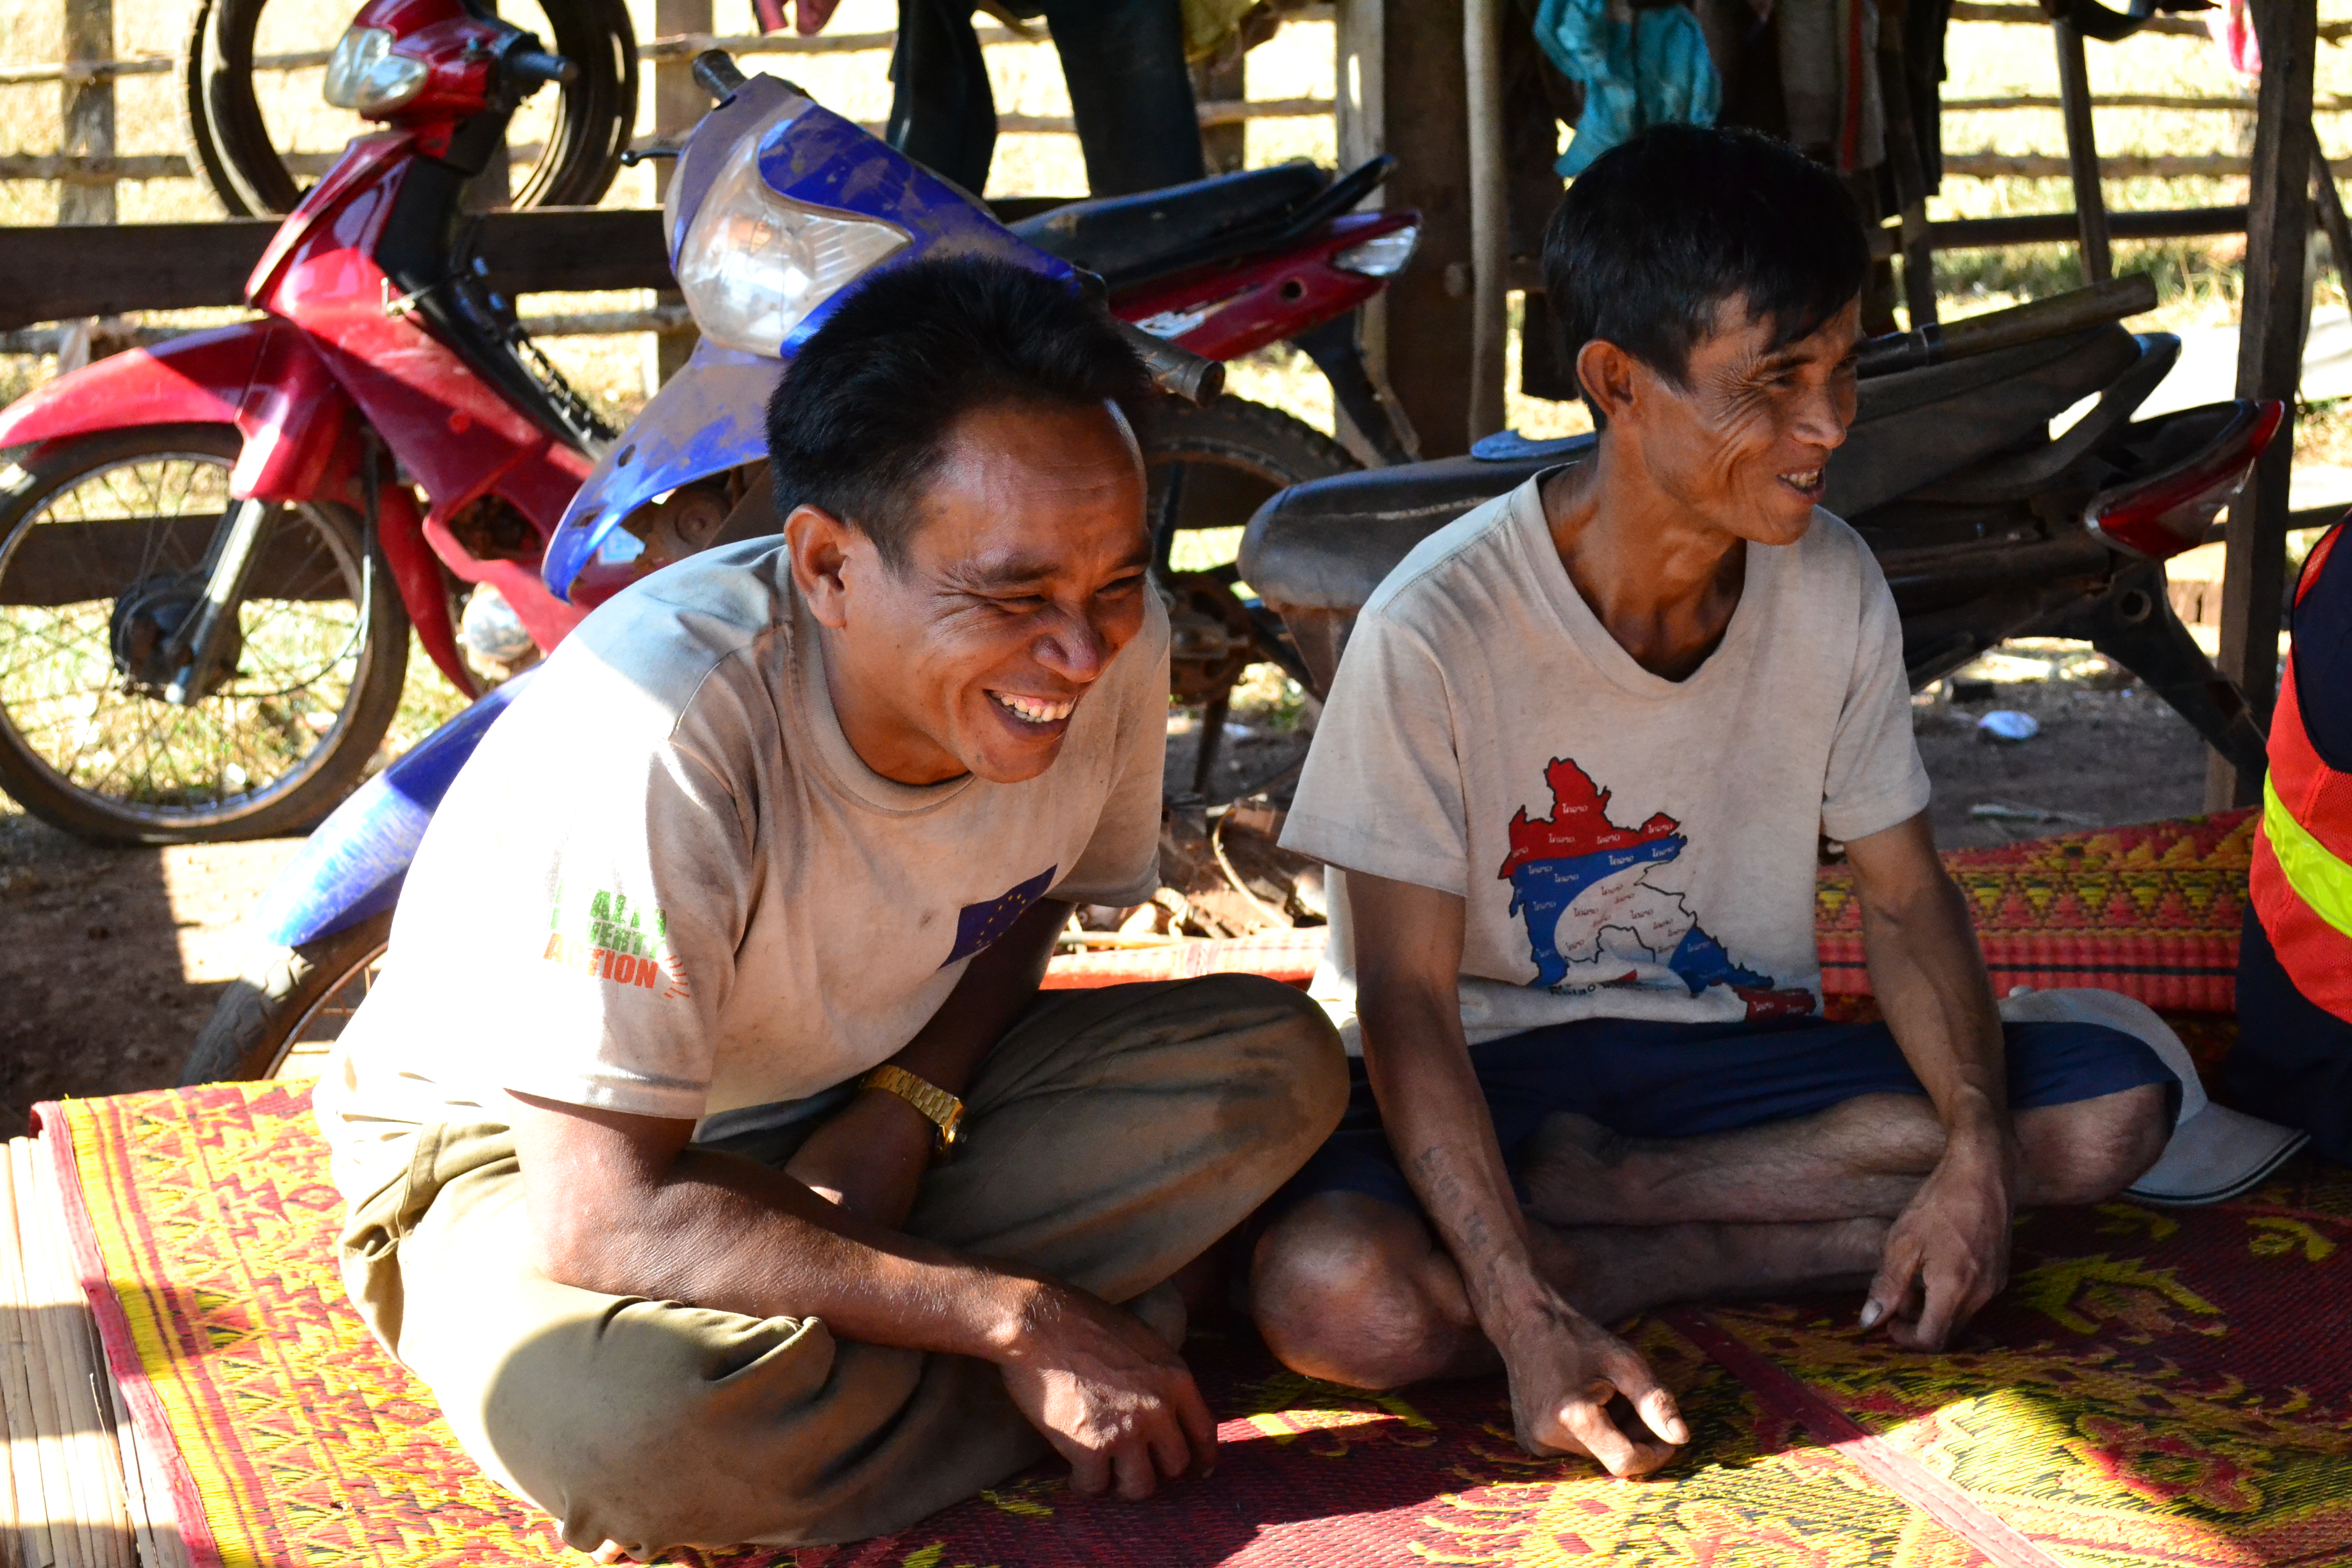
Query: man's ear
1607,375
819,545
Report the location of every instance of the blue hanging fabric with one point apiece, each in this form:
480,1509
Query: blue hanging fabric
1648,69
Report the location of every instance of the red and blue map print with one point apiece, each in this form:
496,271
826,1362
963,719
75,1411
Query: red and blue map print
1593,916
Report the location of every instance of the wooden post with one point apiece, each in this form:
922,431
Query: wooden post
679,104
2270,365
88,110
2082,155
1223,148
1490,236
1419,106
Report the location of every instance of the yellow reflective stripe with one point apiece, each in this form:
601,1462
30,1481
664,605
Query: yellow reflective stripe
2317,877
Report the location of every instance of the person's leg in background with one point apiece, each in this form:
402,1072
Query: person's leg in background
1130,92
2293,1062
942,114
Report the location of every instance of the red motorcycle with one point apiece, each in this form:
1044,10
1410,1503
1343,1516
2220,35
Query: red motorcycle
196,641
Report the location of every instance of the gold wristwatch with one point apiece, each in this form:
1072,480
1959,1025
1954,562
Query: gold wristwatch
944,1111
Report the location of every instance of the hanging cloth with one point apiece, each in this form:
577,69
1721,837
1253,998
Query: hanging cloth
1638,69
1829,81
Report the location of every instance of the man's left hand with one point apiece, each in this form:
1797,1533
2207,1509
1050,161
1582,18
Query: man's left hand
1947,1254
809,16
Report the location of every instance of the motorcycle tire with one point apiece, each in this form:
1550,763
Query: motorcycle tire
1235,455
283,738
288,999
229,142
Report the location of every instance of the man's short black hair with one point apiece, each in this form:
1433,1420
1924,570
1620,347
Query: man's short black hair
1664,227
859,423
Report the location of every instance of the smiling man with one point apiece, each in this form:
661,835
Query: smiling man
709,1148
1576,767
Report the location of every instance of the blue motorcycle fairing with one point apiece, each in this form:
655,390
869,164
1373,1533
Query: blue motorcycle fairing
351,865
711,415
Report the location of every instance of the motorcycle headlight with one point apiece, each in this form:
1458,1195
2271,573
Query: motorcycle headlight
365,76
754,264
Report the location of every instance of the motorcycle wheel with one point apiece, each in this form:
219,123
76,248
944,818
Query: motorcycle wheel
291,1002
230,138
103,538
1209,469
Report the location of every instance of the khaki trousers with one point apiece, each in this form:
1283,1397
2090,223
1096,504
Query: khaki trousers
1112,1138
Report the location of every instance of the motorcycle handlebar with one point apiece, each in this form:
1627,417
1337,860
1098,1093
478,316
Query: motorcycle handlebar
716,71
538,68
1179,370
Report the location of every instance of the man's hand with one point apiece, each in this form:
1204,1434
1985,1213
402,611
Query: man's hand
1108,1395
1949,1252
1576,1388
809,16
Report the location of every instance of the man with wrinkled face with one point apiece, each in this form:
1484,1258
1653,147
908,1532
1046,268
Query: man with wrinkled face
1573,779
709,1147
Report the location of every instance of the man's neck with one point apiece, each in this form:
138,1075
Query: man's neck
1663,585
883,741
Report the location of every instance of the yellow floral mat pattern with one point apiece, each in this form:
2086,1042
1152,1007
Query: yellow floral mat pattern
2157,1388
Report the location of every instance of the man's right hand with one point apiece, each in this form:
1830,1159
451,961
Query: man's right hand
1568,1376
1106,1392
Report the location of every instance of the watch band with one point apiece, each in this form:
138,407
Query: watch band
944,1109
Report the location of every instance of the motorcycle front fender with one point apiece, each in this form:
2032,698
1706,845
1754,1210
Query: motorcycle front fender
352,865
262,377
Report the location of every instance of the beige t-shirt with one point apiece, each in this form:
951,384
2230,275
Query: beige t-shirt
1626,846
667,885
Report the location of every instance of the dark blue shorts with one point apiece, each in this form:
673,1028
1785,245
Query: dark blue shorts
1645,1079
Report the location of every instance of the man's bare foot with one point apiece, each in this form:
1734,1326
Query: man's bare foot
1611,1272
1574,1170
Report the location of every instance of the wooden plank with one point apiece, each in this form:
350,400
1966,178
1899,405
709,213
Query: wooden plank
30,1534
2270,365
48,274
88,109
81,1373
1490,239
1427,309
69,1537
2082,155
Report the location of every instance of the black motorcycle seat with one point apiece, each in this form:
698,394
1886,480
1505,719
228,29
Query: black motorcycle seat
1124,236
1326,544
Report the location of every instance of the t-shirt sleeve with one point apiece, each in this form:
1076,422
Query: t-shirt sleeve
1382,792
588,916
1875,779
1120,864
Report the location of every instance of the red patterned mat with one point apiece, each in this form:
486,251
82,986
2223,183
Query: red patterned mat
2151,910
2155,1388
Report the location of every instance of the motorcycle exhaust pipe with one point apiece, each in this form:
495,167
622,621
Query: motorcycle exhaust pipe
1188,375
2072,312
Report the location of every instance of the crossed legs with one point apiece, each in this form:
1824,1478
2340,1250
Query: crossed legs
1359,1291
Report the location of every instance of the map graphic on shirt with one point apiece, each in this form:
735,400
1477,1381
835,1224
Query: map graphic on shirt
981,926
1593,916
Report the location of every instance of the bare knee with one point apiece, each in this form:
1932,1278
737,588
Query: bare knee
1341,1287
2088,1151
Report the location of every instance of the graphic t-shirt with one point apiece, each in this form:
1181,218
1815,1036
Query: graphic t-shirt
1625,845
666,884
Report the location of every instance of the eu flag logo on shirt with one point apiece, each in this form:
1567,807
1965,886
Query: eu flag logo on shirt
980,927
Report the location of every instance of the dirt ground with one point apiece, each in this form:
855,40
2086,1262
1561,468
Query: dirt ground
111,959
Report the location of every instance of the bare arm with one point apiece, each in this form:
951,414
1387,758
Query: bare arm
624,1204
1564,1369
1949,1252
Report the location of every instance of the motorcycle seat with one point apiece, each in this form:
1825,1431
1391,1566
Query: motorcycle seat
1126,238
1317,550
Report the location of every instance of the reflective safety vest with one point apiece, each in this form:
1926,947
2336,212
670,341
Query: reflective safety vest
2302,879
